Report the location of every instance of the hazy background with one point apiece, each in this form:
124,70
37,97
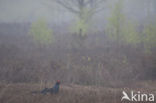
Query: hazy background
42,41
96,48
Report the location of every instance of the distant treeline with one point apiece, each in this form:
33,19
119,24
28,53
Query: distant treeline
100,62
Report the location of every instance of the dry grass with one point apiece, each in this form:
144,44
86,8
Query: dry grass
21,93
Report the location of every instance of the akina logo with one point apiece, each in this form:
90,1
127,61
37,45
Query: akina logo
138,97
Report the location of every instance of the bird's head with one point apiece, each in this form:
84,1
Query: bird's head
58,82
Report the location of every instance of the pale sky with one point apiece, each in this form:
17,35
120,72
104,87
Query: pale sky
30,10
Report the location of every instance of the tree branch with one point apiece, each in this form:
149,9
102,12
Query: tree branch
67,6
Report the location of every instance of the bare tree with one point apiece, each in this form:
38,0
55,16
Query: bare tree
84,9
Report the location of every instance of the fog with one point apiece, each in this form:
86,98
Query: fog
76,51
28,10
87,42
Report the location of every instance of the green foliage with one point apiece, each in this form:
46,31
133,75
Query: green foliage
81,25
115,21
150,34
82,22
41,33
130,34
80,28
121,29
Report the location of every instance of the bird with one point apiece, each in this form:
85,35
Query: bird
53,90
56,87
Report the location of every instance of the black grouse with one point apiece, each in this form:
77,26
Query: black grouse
53,90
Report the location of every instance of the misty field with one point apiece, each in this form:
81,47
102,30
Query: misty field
99,50
21,93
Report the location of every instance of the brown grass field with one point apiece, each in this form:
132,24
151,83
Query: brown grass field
21,93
